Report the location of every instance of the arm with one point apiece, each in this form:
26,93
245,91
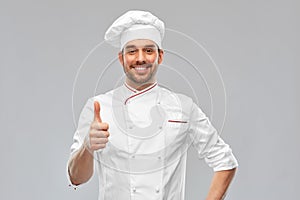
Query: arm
81,165
218,155
220,184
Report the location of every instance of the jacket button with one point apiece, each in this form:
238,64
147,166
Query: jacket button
157,190
133,189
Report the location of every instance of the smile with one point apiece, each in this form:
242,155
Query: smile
142,68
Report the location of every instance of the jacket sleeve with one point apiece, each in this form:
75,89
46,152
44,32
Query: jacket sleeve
208,144
85,119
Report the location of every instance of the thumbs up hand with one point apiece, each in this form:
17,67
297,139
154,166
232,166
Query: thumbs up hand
98,134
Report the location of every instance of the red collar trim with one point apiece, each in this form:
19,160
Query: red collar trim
130,88
141,92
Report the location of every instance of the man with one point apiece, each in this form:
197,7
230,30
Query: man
140,135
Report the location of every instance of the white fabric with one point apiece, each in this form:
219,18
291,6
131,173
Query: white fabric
114,33
145,157
139,31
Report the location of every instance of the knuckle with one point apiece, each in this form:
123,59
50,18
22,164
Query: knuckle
104,126
106,134
104,140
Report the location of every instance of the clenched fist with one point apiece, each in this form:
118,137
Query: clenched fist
98,134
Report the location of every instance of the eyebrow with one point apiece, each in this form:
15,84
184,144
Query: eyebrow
146,46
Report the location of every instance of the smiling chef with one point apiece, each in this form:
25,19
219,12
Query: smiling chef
137,135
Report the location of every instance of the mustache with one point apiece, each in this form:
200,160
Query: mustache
142,65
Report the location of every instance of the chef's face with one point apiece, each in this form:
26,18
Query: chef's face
140,60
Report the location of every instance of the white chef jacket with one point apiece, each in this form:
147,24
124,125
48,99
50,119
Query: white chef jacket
150,133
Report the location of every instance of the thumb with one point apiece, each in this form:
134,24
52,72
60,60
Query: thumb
97,111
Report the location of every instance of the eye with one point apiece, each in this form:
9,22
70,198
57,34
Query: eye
131,51
149,50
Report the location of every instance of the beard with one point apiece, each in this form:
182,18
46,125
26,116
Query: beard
142,79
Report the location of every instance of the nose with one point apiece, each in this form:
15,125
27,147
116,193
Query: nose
140,56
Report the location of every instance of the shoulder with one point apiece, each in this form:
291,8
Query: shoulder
176,99
103,99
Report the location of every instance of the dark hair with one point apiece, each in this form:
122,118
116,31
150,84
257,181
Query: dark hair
158,49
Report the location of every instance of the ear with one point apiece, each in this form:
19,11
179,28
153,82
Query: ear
121,59
160,56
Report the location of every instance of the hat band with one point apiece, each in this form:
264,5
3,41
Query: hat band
141,31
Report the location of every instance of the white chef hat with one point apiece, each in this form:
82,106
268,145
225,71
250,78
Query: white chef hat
135,25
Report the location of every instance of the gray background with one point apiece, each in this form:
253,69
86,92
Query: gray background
254,43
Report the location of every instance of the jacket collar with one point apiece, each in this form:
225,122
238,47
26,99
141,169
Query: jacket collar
135,92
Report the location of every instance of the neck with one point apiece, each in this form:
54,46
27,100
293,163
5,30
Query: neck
139,87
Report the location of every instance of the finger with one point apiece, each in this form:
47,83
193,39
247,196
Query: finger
103,126
96,147
99,126
105,133
99,134
97,111
99,140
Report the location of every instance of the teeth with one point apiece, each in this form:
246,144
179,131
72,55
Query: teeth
140,68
